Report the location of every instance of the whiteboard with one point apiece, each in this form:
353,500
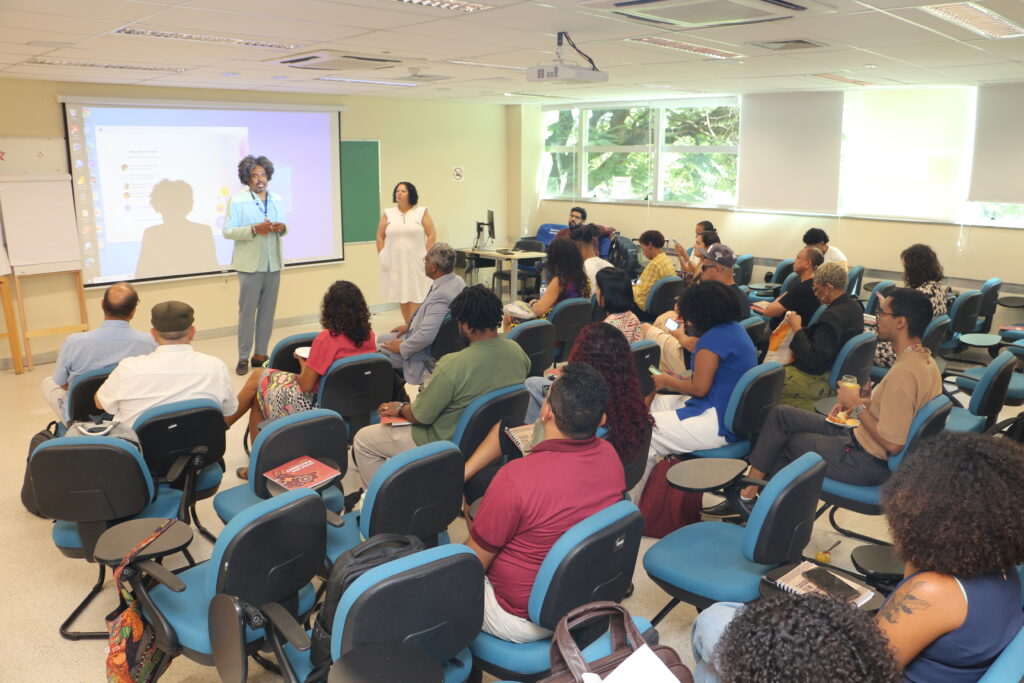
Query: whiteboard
33,156
39,228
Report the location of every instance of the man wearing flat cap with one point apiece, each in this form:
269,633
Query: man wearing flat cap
174,372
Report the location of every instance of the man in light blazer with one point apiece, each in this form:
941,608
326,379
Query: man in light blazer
408,346
255,221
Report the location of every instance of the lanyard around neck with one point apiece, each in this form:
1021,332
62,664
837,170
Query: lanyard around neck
265,206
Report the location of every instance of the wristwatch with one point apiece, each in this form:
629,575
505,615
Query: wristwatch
253,229
855,413
398,411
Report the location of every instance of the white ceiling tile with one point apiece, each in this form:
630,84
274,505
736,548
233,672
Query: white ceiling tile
1007,48
939,54
441,31
987,72
22,36
113,10
26,50
581,26
940,26
59,24
319,11
418,45
844,59
132,57
867,29
242,26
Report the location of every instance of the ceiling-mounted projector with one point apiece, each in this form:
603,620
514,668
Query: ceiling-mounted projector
561,71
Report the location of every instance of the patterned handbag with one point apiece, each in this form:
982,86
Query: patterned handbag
132,653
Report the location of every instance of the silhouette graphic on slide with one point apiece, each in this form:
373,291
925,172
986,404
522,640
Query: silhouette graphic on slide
177,246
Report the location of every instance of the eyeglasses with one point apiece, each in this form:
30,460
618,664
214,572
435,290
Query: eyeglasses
879,313
706,266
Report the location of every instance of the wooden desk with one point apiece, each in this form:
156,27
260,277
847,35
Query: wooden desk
512,257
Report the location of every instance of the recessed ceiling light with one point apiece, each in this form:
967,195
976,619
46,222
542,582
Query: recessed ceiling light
453,5
685,47
538,95
486,65
201,38
363,81
45,61
976,18
841,79
870,66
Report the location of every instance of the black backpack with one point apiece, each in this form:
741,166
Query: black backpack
349,566
622,254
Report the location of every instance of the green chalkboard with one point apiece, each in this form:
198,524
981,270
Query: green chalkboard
360,189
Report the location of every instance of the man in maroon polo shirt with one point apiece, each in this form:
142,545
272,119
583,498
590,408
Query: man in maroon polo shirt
533,500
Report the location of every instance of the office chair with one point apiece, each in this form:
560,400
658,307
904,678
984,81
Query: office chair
646,354
663,295
537,339
355,386
756,392
569,317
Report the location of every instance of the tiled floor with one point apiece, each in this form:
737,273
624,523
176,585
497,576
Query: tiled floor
41,585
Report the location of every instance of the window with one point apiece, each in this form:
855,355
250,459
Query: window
1002,215
906,153
677,152
698,154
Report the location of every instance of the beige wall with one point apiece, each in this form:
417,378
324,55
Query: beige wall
976,253
420,141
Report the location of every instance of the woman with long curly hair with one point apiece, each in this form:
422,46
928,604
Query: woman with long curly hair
629,423
953,511
566,278
923,272
270,394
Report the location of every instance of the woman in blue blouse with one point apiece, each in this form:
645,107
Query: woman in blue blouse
695,419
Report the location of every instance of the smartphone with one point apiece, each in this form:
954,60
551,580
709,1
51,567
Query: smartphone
824,579
672,324
654,370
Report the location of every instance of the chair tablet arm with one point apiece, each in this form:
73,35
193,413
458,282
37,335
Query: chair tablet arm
747,481
178,467
286,625
954,373
334,519
161,574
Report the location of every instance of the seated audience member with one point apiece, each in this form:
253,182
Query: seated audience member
816,348
691,265
858,455
629,424
269,394
816,237
585,238
615,297
532,501
723,352
565,276
106,345
488,362
923,272
793,638
577,216
717,261
953,511
408,346
659,265
800,298
173,372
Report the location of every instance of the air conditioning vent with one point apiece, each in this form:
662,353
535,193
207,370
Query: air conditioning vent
798,44
336,60
691,14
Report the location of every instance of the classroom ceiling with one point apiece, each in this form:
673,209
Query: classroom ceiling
236,44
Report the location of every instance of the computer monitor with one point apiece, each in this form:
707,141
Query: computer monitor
490,223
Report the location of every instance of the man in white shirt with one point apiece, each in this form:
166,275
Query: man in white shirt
174,372
586,238
816,237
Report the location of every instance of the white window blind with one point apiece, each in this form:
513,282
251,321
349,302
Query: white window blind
997,174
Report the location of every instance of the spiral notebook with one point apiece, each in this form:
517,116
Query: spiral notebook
794,581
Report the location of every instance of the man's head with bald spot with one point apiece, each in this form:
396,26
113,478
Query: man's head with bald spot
120,301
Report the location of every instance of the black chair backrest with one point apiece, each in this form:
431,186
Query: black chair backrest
935,335
644,356
275,555
987,305
664,298
537,339
447,339
90,484
436,607
420,498
283,355
82,399
355,390
635,468
966,315
758,397
598,568
743,270
759,332
598,315
322,436
779,276
192,432
787,527
530,245
511,406
858,362
991,401
572,317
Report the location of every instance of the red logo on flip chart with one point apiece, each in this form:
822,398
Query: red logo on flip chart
2,153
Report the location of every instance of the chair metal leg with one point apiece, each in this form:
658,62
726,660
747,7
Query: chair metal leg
65,631
206,533
664,611
853,534
188,557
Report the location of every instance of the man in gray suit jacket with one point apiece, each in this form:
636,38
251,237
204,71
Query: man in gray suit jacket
408,346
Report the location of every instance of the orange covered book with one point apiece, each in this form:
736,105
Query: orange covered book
302,472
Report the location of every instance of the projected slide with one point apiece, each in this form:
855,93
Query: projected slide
152,185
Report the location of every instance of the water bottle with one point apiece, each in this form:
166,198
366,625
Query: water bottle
543,288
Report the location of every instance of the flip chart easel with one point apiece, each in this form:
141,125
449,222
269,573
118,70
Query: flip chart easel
27,334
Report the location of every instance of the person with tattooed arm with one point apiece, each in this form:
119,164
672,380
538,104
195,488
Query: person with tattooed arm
955,520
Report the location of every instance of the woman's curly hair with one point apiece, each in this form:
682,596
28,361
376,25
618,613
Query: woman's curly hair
920,265
605,349
953,508
344,311
706,304
565,262
804,639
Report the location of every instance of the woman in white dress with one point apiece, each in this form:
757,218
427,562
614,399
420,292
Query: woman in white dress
404,236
